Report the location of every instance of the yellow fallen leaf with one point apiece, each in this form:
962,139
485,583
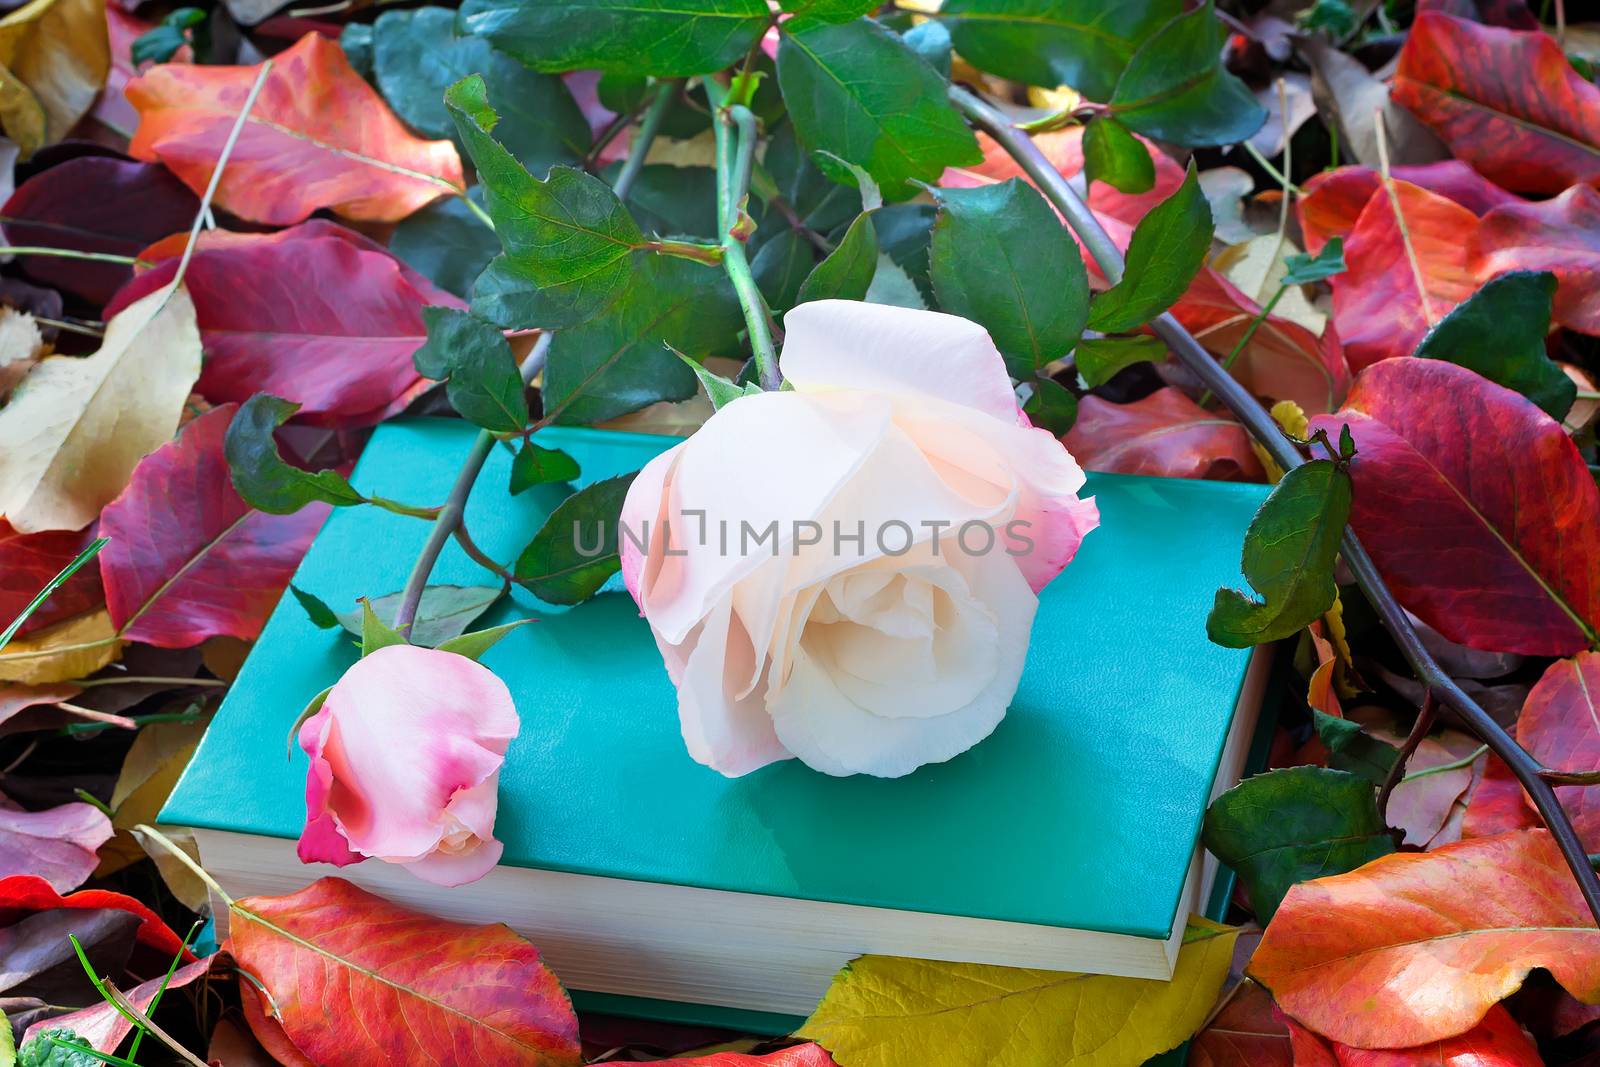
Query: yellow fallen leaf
1257,267
151,768
72,649
60,52
882,1011
191,892
20,344
76,427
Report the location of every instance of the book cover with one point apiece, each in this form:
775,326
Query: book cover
1081,811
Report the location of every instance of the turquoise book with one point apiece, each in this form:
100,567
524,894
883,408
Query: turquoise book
1068,840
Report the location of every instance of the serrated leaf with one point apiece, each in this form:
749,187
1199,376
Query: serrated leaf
259,473
893,286
856,90
443,613
883,1011
1175,88
1292,825
417,55
1002,258
1052,406
1081,43
1168,249
569,243
535,465
1499,332
476,364
577,548
847,272
1113,155
829,10
620,362
1352,749
1289,552
1099,359
666,39
446,243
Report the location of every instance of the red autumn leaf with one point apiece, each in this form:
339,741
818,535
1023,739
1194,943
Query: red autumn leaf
1166,434
1247,1032
1418,946
103,1026
267,1031
16,699
1498,805
318,137
358,980
1505,101
28,561
1283,360
94,204
807,1055
188,558
1118,212
24,894
1560,727
1333,200
57,844
1476,506
1560,235
316,314
1495,1042
1310,1050
1399,282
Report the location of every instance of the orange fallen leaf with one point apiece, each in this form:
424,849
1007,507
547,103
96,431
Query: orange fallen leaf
318,137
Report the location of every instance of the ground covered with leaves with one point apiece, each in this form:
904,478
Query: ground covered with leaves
1350,248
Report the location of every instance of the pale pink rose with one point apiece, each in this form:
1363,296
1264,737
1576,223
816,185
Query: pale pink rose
856,658
405,764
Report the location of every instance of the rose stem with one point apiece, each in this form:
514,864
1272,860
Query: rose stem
735,130
454,509
1255,418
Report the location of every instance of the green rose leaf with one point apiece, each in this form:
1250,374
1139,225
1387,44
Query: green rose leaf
857,90
666,38
621,361
569,243
1292,825
259,473
1175,88
719,390
1352,749
158,45
577,548
1499,332
475,644
444,612
1100,359
1289,551
1113,155
317,610
1168,249
536,465
819,202
1052,406
781,266
1002,258
446,242
1304,269
1081,43
417,55
847,272
476,364
818,11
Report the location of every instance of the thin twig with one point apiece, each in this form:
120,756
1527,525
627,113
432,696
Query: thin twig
97,716
124,1005
735,131
1419,730
69,253
479,556
649,126
216,172
86,329
450,514
1262,427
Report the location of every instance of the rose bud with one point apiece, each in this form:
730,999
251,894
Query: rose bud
846,571
405,763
